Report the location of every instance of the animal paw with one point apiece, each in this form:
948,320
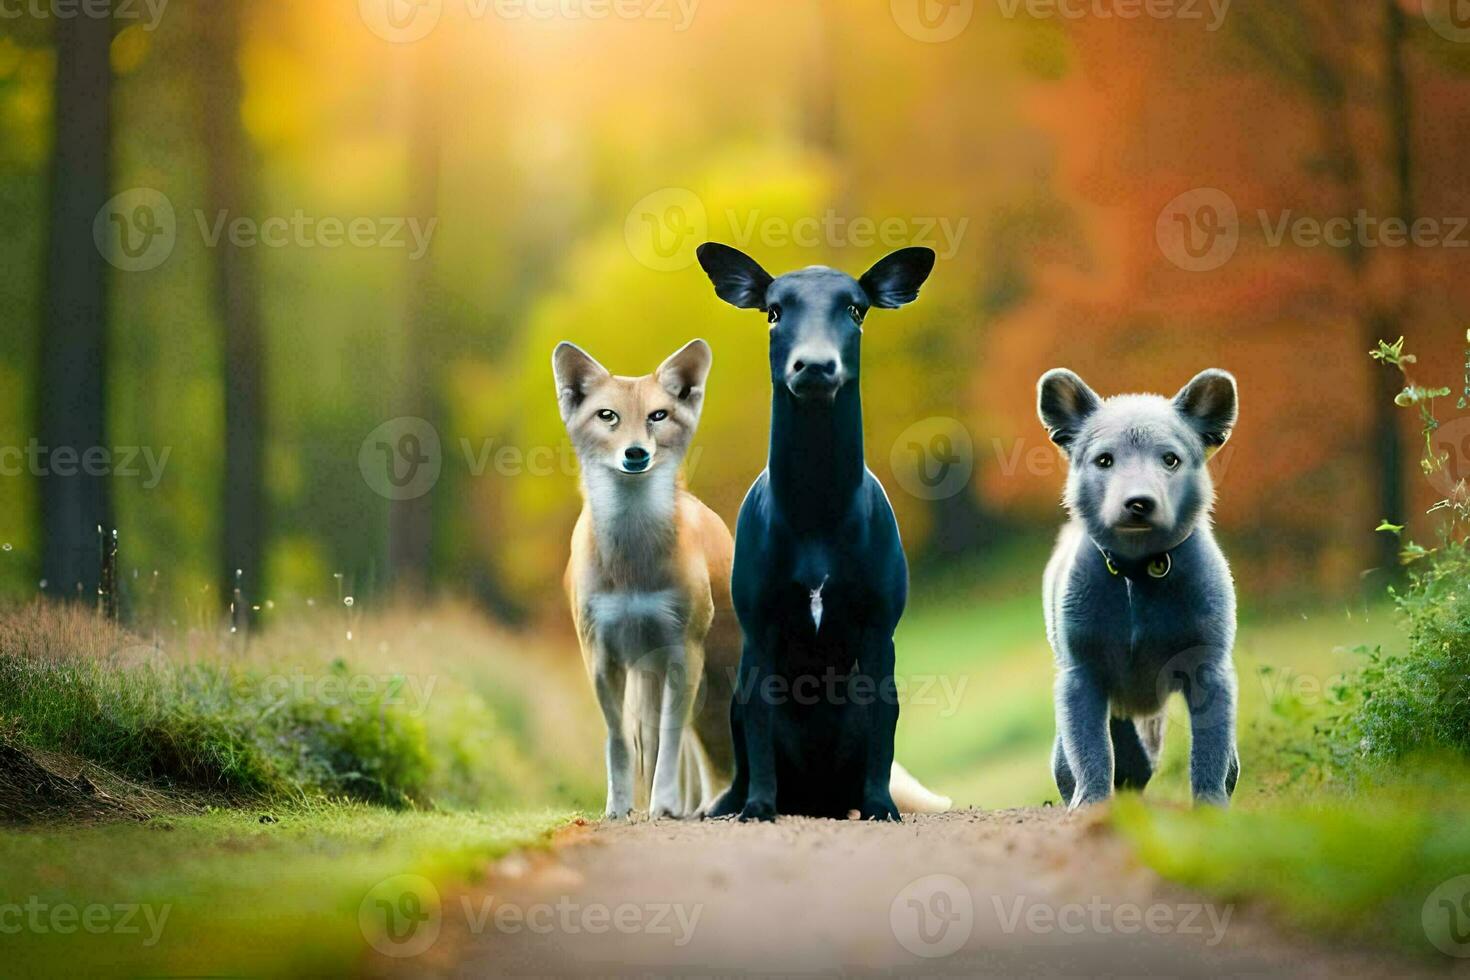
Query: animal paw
618,816
1221,800
758,810
728,805
881,809
665,813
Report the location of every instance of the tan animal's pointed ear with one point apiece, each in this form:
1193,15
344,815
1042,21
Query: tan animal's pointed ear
576,373
684,373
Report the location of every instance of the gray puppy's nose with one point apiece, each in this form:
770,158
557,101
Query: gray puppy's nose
1141,506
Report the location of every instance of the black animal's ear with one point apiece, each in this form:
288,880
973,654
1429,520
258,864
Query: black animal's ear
739,280
575,372
896,279
1064,403
684,373
1210,404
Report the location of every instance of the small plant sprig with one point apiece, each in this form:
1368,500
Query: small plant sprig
1456,507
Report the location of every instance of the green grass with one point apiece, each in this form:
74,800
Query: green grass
229,894
396,715
1359,862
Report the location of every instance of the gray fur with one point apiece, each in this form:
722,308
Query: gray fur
1138,597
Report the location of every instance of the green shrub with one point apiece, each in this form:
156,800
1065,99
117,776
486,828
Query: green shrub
1420,699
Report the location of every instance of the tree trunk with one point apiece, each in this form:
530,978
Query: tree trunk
73,371
230,188
410,521
1387,322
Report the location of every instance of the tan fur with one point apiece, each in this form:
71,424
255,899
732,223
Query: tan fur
650,573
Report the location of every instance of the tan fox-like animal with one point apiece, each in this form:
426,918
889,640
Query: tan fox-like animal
649,583
649,587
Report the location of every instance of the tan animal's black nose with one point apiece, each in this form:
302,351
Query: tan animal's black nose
636,454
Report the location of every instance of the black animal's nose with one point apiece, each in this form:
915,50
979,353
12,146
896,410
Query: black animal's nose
636,454
828,368
1141,506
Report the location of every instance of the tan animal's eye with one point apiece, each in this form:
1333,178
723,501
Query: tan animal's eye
609,416
658,416
1105,461
1172,461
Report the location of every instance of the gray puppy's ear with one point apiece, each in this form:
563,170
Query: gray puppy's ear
1064,403
576,372
739,280
1210,404
684,373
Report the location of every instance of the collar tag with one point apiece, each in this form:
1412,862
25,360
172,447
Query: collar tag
1161,567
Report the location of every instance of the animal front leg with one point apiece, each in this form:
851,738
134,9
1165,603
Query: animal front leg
610,681
875,672
676,708
759,723
1213,762
1082,723
732,801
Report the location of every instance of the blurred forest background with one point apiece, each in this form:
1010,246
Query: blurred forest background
250,239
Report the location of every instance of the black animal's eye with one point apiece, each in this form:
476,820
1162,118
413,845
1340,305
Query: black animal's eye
1172,461
608,415
774,314
855,313
658,416
1105,461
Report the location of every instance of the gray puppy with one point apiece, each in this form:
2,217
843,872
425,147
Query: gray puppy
1139,599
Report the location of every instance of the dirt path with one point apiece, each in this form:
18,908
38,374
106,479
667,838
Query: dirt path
1014,893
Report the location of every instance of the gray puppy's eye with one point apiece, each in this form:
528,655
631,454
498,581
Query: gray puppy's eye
1105,461
1172,461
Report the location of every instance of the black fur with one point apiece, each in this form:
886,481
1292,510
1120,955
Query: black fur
815,708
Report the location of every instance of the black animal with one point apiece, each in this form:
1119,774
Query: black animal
820,578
